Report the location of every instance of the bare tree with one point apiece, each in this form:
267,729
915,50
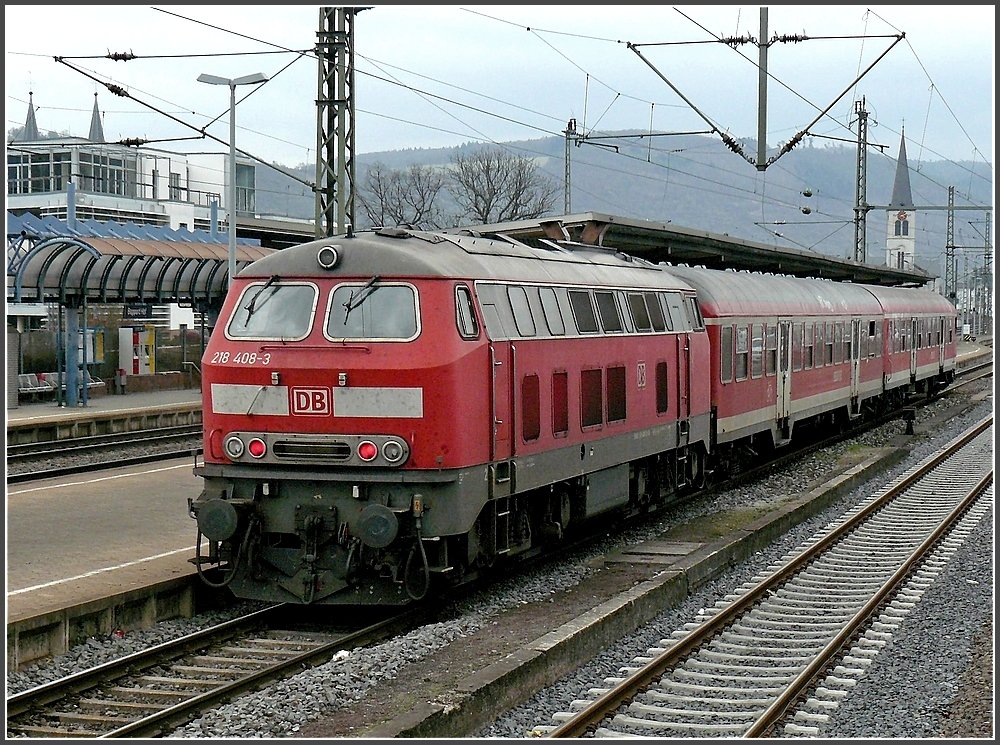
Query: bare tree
491,185
403,197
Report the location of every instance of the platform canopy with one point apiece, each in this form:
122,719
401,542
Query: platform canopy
51,260
673,244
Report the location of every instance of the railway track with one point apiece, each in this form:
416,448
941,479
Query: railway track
37,460
152,692
782,651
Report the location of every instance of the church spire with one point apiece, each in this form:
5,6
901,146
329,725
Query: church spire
901,196
96,130
30,131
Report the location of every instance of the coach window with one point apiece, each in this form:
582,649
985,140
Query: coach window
611,322
464,315
726,354
796,347
522,311
583,311
771,350
662,399
640,315
273,310
872,346
838,342
551,312
530,424
808,353
591,401
655,312
742,352
757,351
560,403
615,385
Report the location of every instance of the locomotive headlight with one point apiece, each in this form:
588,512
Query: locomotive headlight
257,448
367,450
392,451
328,256
234,447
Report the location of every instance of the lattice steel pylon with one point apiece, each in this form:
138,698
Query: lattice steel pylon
335,172
861,185
950,270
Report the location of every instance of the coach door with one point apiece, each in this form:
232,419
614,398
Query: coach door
914,338
941,340
784,392
855,353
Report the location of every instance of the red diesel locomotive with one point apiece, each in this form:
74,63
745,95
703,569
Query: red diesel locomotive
393,410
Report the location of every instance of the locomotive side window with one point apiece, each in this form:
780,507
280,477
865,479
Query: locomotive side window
742,352
661,388
640,314
530,424
623,312
464,316
522,312
551,312
616,394
273,310
655,312
560,403
675,308
583,311
372,311
611,322
694,313
591,403
757,351
726,354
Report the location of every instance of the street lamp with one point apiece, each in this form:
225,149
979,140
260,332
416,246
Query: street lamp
256,77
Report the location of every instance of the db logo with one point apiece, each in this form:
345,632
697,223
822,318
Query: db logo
311,401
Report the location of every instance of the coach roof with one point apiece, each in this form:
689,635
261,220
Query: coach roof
728,293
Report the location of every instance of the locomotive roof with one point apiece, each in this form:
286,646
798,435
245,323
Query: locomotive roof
404,253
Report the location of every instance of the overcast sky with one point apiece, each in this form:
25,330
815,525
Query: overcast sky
442,75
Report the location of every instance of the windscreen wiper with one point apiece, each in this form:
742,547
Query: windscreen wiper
250,307
357,298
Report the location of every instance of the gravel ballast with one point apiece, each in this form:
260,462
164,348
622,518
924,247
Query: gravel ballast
949,632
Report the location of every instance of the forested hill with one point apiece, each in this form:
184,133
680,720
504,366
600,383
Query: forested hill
804,199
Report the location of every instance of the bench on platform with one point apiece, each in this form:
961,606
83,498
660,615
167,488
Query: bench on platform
30,386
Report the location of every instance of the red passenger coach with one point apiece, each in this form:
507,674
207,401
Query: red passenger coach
919,340
788,351
390,409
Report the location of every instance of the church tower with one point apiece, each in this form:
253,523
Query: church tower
901,237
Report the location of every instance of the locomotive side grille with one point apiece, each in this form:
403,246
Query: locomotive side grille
312,450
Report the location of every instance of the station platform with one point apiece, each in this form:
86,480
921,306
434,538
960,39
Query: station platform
34,409
45,421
